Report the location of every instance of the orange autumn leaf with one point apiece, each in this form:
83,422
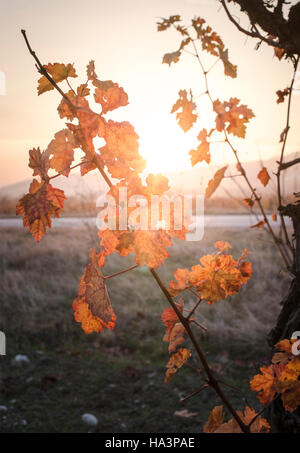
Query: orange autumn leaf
166,23
210,40
264,383
217,277
175,330
264,176
149,247
62,150
281,95
66,111
215,420
229,68
185,116
280,378
121,152
58,72
172,57
214,183
92,306
248,202
232,117
83,90
170,318
38,206
222,245
90,71
176,361
39,162
260,224
110,96
201,153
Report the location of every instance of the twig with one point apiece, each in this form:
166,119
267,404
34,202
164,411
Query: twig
285,165
68,168
253,34
121,272
205,386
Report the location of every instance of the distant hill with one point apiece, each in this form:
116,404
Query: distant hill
187,182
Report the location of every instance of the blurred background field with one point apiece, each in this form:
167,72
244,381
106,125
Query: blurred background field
119,376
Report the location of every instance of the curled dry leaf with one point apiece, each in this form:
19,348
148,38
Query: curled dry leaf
92,306
214,183
176,361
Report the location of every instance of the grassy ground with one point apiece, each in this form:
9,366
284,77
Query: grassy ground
118,376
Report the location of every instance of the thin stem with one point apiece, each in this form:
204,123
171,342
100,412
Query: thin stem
121,272
196,392
68,168
195,308
285,165
199,325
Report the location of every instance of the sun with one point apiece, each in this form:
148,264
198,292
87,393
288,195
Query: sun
165,146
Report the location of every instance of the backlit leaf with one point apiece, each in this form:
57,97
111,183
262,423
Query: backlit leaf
58,72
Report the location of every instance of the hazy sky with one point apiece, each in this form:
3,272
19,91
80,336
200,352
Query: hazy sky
121,37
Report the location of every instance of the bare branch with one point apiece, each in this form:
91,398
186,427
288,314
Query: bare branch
285,165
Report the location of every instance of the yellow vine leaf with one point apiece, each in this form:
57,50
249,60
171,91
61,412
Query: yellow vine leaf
58,72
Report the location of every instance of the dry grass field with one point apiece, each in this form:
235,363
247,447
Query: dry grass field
118,376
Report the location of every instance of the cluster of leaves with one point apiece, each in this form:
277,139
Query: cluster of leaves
282,378
210,41
120,158
231,117
219,275
215,422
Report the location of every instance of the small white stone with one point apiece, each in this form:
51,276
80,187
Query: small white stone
90,419
3,409
20,359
